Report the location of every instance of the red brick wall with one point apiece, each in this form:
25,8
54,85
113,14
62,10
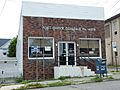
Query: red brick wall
32,27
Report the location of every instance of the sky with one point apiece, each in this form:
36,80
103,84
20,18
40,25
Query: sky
10,11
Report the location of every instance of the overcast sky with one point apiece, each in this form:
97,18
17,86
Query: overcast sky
10,12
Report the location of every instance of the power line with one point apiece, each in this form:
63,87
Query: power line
114,5
116,11
3,7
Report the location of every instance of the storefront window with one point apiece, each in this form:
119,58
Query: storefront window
89,48
40,47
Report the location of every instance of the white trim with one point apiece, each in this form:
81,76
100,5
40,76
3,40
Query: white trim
19,48
100,48
62,11
42,57
90,38
67,52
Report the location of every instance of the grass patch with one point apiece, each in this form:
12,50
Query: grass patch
19,79
113,66
62,83
110,77
38,85
97,79
64,77
115,72
25,81
31,86
22,81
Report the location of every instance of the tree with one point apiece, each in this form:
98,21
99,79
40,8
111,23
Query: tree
12,48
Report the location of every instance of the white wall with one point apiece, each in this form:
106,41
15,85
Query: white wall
19,48
72,71
9,69
62,11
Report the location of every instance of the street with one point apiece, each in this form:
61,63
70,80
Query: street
109,85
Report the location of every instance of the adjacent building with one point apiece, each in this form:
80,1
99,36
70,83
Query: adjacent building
8,65
112,39
54,39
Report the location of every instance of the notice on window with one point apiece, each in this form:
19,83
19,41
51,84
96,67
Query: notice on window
91,52
47,48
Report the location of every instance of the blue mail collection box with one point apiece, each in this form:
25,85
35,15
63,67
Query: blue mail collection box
101,66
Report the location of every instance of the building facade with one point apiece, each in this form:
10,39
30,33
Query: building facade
53,45
112,39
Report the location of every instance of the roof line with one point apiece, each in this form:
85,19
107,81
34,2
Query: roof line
112,18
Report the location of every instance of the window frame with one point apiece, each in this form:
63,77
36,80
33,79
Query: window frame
100,51
41,38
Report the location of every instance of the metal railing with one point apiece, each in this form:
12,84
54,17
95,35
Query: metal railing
89,62
80,61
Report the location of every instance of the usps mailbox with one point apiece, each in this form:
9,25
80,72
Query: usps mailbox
101,66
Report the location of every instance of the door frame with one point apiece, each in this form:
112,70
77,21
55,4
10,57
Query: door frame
66,42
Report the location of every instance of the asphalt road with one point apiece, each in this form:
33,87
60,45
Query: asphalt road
109,85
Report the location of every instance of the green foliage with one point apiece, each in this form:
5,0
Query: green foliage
97,79
25,81
113,66
110,77
12,48
19,79
37,85
64,77
63,83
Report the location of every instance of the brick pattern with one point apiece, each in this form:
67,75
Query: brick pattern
32,27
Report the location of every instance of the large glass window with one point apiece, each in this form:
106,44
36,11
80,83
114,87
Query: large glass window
40,47
89,48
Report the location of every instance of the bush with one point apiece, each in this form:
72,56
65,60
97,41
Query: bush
12,48
19,79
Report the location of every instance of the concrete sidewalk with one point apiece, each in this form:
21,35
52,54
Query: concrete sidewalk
11,87
76,80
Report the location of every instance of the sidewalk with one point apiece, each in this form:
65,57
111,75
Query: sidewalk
116,76
11,87
77,80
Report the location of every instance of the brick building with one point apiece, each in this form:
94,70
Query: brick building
53,39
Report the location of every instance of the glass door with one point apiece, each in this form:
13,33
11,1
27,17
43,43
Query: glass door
67,53
71,54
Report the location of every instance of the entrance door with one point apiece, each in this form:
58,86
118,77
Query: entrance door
67,53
